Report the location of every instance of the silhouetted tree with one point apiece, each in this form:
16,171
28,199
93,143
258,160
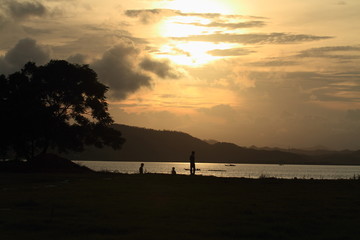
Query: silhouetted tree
4,141
59,105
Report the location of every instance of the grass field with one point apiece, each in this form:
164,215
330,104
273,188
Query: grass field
116,206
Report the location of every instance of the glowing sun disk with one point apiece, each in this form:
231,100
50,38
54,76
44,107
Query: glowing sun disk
191,53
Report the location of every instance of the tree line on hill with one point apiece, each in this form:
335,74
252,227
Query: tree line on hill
161,145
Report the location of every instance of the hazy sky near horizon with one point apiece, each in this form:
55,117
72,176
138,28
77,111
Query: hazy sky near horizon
280,73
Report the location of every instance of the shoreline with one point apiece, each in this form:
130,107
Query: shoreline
165,175
252,163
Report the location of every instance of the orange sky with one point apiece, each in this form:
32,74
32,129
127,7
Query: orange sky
250,72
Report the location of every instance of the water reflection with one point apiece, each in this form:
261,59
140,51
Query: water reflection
231,170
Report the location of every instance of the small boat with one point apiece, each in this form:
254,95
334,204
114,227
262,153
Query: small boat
230,165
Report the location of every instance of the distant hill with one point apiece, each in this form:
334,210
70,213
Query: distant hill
164,146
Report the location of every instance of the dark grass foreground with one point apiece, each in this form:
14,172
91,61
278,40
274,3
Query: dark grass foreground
115,206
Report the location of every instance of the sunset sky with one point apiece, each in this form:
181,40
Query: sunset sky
282,73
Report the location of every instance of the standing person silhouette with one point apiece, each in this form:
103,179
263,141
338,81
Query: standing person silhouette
192,163
141,169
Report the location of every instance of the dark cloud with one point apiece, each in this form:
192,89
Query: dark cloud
5,67
2,21
335,52
172,51
139,12
272,63
147,16
239,25
21,10
230,52
94,43
203,15
259,38
162,69
36,31
118,69
25,50
150,13
218,15
123,68
332,52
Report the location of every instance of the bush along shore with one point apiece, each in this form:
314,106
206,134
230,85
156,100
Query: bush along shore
43,163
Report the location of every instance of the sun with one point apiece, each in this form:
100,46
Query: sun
193,21
190,53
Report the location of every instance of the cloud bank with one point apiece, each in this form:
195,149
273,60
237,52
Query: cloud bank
254,38
147,16
125,69
340,52
21,10
117,69
25,50
233,26
230,52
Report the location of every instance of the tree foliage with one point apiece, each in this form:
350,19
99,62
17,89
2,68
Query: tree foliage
59,105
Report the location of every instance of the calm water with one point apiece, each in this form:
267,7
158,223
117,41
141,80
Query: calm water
239,170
